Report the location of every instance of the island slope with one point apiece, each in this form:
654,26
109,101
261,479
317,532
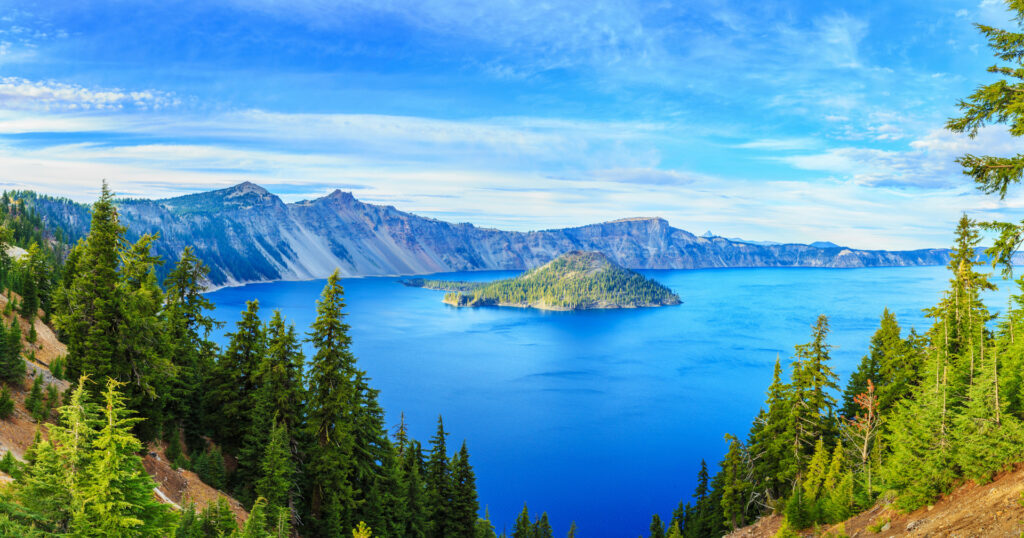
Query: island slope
574,281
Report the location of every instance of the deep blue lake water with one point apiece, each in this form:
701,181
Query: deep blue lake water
600,417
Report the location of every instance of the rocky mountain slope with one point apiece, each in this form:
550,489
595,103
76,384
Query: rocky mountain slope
246,234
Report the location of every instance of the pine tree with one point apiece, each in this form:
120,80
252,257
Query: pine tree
234,384
118,493
414,494
256,525
986,439
439,485
12,366
921,464
811,404
34,401
464,504
572,530
52,400
770,452
329,453
734,486
542,527
279,393
188,328
6,403
88,480
657,529
32,275
888,362
702,518
108,313
277,479
217,519
484,527
992,103
817,468
523,527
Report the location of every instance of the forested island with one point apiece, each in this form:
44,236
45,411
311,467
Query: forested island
574,281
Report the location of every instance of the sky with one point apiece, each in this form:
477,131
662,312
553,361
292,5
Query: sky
791,121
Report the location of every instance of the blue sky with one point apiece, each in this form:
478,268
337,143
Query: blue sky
789,121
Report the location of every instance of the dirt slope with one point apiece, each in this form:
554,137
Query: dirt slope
995,509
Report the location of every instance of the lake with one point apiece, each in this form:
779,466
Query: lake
601,417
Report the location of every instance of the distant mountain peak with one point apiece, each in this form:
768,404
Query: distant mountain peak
708,234
638,219
824,244
246,188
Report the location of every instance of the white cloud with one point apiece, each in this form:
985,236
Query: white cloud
780,144
22,94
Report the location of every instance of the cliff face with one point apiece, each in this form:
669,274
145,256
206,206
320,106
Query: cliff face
246,234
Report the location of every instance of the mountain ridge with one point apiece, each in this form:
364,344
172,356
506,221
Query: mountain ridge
247,234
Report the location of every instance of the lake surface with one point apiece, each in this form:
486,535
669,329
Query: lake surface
601,417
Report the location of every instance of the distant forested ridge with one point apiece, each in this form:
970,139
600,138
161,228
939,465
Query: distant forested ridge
573,281
246,234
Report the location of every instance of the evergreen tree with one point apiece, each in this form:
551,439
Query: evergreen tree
234,384
188,327
921,464
330,451
657,529
523,527
542,527
34,401
217,519
33,277
811,405
484,527
275,485
770,452
464,505
701,519
439,485
410,457
991,103
6,403
572,530
734,486
985,437
88,479
12,366
107,313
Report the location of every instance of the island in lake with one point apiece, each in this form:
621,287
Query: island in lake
574,281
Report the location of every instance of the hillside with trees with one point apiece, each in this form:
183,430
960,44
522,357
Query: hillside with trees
924,420
574,281
159,424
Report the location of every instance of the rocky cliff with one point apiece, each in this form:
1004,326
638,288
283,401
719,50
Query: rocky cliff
246,234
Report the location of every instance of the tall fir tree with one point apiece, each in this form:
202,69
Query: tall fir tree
330,449
812,405
188,327
464,499
276,484
439,485
107,313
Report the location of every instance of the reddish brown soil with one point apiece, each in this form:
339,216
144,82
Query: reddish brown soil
995,509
